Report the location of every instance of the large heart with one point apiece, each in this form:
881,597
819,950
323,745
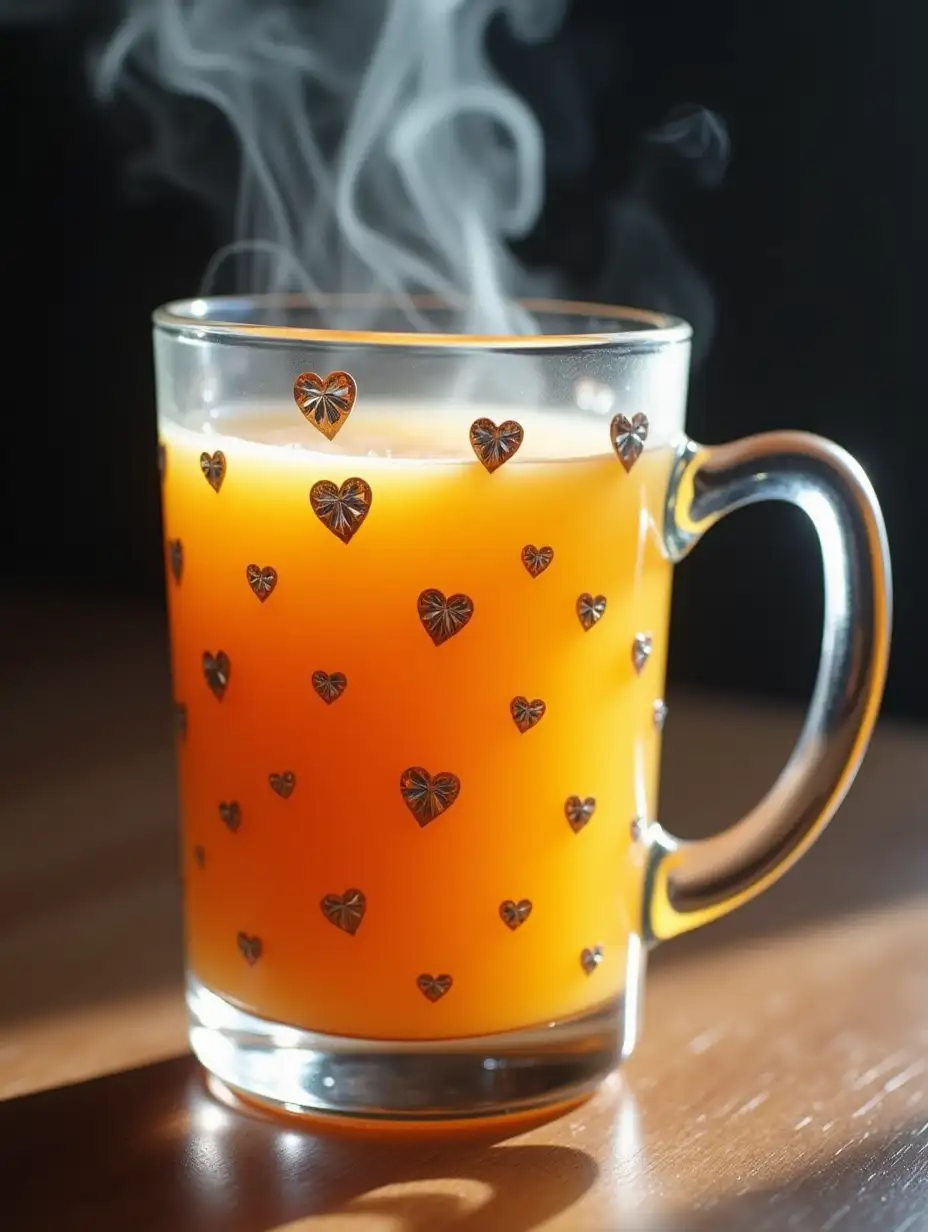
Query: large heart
283,783
513,914
536,560
176,556
442,618
495,445
590,609
426,796
642,648
261,580
526,714
628,438
231,814
330,685
217,668
434,987
213,467
345,911
251,948
342,509
578,812
326,402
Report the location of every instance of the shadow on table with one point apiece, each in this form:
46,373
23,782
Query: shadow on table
150,1150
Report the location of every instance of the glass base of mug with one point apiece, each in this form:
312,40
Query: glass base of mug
300,1071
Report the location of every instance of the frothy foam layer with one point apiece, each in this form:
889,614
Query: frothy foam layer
391,431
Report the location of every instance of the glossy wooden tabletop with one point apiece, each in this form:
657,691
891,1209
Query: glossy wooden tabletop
782,1082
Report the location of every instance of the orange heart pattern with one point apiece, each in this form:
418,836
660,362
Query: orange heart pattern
513,914
495,445
213,467
231,814
434,987
526,714
642,647
283,784
261,581
345,911
628,438
578,812
536,560
442,618
343,509
330,686
427,797
590,959
217,669
251,948
589,610
326,402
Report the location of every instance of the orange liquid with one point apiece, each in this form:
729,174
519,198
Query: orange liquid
432,893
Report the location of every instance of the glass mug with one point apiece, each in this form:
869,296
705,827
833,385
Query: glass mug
419,590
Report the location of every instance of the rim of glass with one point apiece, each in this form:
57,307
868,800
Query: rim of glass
203,318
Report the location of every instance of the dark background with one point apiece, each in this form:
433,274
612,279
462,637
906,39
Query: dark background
814,246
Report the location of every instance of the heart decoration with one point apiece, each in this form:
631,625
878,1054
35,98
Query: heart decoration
199,856
250,947
342,509
283,783
536,560
590,959
213,467
578,812
427,796
628,438
231,814
326,402
261,581
442,618
642,647
217,669
495,445
590,609
513,914
660,714
526,714
180,719
433,987
345,911
330,686
176,557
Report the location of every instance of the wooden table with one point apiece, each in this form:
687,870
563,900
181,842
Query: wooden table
782,1082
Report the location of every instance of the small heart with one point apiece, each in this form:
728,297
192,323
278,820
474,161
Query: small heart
162,459
526,714
660,714
213,467
590,959
330,686
345,911
426,796
231,814
578,812
326,402
251,948
217,669
283,783
199,856
180,719
628,438
434,987
176,556
515,914
590,609
342,509
442,618
642,647
536,560
261,581
495,445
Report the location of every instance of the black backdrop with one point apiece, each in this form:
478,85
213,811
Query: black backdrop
814,246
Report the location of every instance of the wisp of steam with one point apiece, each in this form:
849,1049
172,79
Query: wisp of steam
380,150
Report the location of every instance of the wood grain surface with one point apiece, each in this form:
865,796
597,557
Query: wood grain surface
782,1082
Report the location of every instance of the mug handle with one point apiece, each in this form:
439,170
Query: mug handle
691,883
